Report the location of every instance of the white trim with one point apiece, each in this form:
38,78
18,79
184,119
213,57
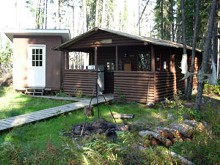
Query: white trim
64,33
29,48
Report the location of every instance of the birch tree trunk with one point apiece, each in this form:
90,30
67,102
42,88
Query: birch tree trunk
190,81
58,18
45,15
205,59
103,13
184,43
97,14
84,16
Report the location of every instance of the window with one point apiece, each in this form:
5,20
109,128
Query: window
37,57
144,62
110,65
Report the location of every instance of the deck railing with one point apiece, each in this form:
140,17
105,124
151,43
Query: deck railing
79,81
139,86
134,85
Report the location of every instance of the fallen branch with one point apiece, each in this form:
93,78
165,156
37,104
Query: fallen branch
180,158
123,116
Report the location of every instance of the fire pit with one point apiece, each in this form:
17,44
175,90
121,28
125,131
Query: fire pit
99,126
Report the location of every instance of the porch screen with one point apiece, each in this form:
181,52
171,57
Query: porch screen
144,62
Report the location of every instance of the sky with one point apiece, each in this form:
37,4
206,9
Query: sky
9,17
7,12
14,15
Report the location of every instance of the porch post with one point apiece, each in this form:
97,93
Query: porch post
153,66
66,60
116,58
95,52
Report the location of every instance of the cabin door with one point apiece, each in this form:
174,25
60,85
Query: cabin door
36,66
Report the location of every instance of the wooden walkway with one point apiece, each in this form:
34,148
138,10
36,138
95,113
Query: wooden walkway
47,113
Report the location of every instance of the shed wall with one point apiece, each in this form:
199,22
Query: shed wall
54,61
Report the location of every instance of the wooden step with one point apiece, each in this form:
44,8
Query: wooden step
35,91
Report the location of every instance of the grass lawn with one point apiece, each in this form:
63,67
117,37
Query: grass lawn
43,142
14,103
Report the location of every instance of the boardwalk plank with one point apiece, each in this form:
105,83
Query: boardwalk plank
47,113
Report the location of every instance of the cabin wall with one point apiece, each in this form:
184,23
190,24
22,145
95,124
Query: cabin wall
172,57
134,86
76,81
54,61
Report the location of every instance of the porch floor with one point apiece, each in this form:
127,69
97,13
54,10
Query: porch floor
48,113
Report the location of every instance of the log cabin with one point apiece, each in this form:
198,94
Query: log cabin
141,69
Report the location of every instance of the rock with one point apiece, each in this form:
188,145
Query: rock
150,105
77,130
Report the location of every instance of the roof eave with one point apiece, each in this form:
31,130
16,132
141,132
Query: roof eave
64,33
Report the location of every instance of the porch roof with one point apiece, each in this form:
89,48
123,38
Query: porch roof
68,46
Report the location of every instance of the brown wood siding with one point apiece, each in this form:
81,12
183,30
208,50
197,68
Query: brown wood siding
101,35
54,60
81,80
135,86
165,85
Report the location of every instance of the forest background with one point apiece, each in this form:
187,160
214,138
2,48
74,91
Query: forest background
162,19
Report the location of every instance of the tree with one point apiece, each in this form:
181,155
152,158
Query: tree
84,16
165,19
103,24
6,54
91,12
183,26
5,59
97,13
190,81
206,53
184,66
58,15
39,11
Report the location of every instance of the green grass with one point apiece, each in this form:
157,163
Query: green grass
14,103
43,142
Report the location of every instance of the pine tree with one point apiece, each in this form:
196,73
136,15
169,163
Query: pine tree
206,53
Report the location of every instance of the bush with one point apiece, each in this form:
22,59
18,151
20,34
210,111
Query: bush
202,150
212,89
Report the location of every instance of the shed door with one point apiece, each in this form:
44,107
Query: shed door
36,66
